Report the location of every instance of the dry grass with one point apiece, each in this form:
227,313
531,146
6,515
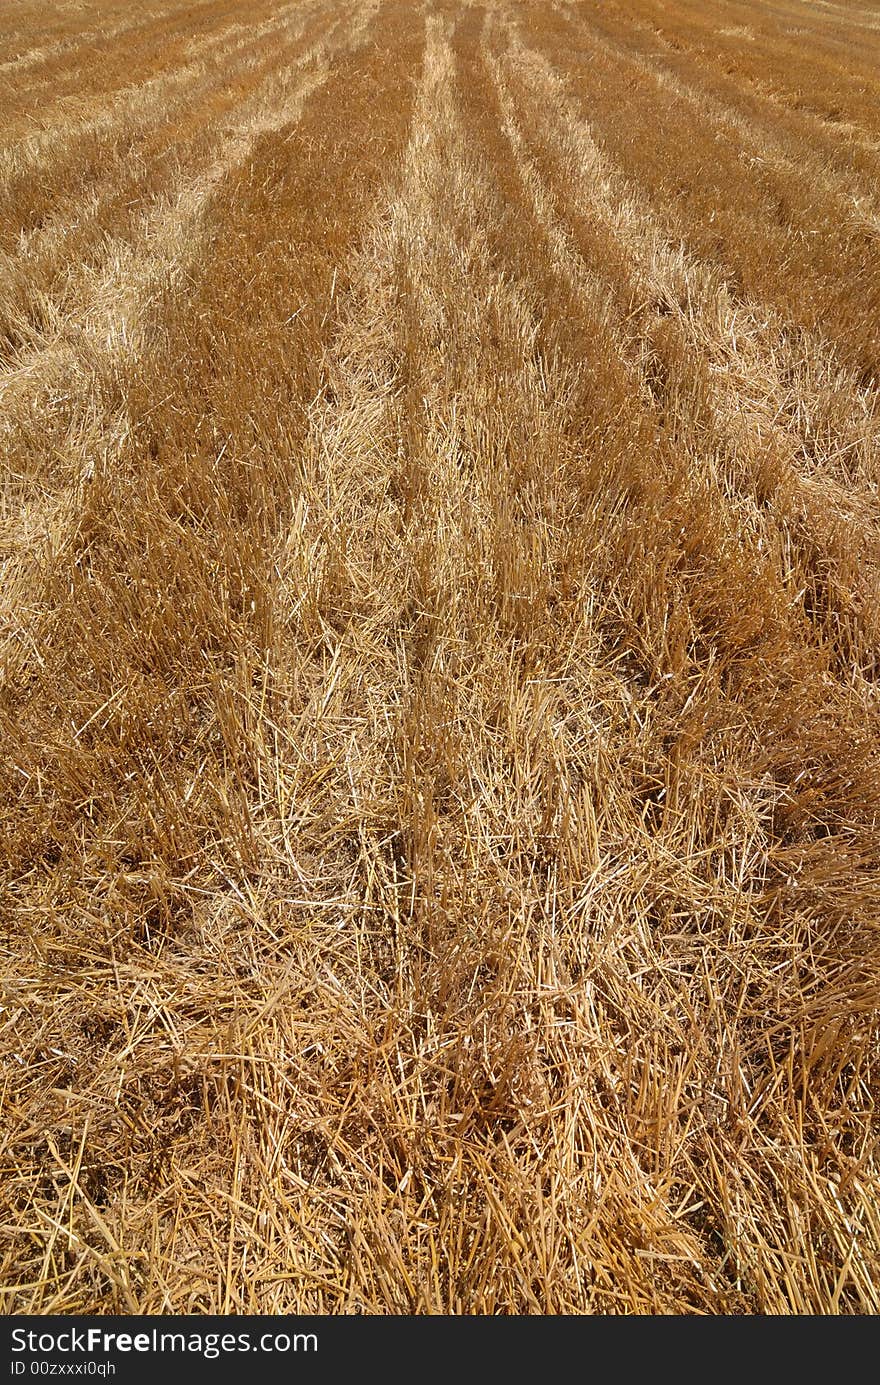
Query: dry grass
439,632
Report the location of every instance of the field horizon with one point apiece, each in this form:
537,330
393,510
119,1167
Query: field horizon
439,652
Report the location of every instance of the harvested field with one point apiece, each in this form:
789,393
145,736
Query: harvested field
440,650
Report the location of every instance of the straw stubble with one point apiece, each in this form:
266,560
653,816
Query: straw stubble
439,637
